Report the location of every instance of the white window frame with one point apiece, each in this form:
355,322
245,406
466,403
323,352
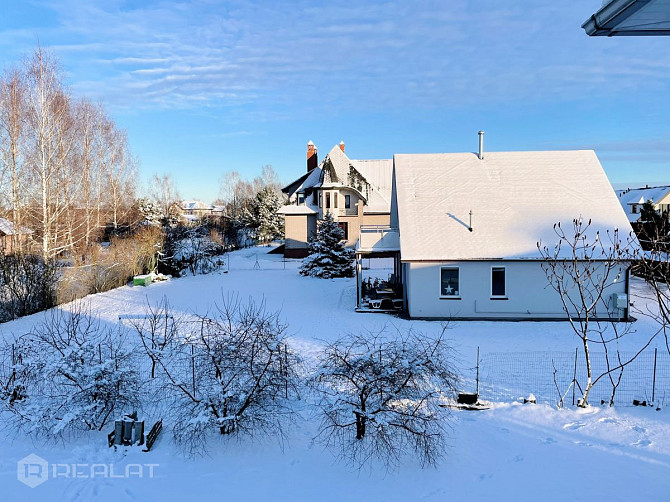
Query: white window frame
454,296
491,282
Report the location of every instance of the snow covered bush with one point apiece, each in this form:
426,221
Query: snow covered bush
233,374
328,256
73,375
190,249
27,285
381,395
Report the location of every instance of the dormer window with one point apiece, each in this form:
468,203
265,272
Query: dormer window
301,198
347,201
633,209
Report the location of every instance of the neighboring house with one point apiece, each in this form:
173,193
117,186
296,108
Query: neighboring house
632,200
355,192
464,230
9,233
630,18
195,209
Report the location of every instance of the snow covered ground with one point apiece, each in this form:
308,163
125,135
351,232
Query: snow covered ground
510,452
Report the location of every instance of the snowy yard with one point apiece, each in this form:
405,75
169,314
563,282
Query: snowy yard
510,452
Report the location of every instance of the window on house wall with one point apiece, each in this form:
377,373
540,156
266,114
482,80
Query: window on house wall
633,209
315,197
320,199
449,282
498,281
335,197
347,201
301,198
327,200
345,228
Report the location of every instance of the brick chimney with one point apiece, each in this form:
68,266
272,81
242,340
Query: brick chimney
312,158
342,145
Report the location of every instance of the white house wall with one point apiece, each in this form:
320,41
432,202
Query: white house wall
528,293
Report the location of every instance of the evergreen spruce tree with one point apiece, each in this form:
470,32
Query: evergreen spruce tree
263,217
328,256
148,211
654,228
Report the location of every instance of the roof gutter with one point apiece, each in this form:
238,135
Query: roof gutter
604,23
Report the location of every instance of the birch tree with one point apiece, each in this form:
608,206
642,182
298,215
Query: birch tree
12,155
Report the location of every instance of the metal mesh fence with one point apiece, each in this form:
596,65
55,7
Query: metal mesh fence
551,376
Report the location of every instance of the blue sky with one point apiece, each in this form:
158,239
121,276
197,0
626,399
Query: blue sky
207,86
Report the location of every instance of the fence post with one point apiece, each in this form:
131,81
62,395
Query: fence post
653,387
286,370
477,390
574,378
193,368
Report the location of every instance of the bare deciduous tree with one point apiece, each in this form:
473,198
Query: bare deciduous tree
66,168
12,149
233,374
381,396
583,267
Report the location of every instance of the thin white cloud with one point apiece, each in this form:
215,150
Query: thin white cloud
429,54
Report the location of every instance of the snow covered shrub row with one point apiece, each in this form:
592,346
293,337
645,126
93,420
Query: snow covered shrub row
376,396
68,374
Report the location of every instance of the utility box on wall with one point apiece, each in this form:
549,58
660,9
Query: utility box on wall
619,301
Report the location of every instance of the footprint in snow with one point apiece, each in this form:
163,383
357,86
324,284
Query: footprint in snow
608,420
484,477
574,426
549,441
639,429
518,458
642,442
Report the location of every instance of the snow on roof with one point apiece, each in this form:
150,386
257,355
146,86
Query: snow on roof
379,174
189,205
632,196
8,228
291,209
515,199
341,167
376,175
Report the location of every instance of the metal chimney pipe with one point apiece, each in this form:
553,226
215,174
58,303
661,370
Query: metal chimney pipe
481,145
